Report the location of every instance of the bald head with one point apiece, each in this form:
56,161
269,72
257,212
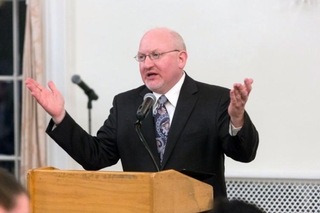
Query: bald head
165,36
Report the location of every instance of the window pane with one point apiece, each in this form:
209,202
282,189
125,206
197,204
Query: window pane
22,19
6,38
6,118
9,165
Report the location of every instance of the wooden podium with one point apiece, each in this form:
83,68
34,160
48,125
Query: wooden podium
65,191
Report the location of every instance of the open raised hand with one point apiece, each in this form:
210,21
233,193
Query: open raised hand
51,100
238,98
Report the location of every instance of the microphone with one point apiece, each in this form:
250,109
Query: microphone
148,101
87,90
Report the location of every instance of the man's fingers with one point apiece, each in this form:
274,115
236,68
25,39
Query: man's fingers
33,85
248,81
232,96
240,91
52,86
248,84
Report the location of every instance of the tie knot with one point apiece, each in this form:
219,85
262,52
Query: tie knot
163,99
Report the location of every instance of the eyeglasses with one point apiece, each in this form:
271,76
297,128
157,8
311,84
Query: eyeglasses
152,56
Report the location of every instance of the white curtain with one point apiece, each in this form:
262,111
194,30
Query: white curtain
33,117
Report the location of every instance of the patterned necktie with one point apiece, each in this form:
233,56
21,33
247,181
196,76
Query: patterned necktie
162,122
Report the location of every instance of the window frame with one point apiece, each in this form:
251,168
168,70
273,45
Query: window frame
16,78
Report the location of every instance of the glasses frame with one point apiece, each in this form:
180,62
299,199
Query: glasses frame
152,57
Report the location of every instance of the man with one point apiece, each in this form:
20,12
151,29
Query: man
206,122
13,196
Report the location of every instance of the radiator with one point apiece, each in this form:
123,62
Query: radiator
277,195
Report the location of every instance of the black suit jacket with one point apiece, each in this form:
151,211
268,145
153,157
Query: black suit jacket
198,138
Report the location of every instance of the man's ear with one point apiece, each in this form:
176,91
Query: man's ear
183,56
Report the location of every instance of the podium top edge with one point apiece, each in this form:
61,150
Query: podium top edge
53,169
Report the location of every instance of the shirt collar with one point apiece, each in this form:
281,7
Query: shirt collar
173,94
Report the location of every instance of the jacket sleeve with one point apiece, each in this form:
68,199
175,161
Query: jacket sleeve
243,146
93,153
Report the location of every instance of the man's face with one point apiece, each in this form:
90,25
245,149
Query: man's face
160,75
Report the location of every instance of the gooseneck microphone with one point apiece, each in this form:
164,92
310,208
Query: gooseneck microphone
87,90
148,101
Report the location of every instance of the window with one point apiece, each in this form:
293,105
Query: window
12,24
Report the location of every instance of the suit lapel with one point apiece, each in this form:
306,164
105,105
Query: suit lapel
187,99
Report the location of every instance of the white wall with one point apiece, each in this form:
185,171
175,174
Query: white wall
276,42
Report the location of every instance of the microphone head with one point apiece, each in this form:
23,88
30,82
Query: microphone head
76,79
150,95
148,101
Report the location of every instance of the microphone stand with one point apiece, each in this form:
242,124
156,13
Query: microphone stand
89,106
143,140
89,114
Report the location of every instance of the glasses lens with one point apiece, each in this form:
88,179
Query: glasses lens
140,58
155,55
